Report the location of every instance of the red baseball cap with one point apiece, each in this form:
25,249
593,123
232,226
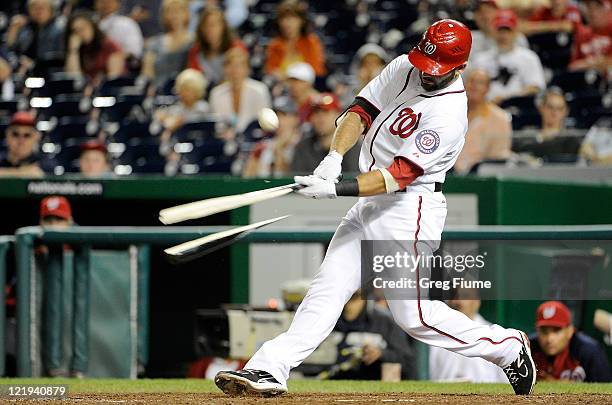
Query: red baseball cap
24,118
93,145
55,206
505,19
487,2
553,313
325,101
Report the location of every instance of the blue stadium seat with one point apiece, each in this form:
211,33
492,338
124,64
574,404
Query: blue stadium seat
192,131
523,110
132,129
72,127
61,83
553,48
575,82
142,154
125,106
68,157
8,108
66,106
115,86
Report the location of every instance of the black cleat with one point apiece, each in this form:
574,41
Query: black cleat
522,372
247,381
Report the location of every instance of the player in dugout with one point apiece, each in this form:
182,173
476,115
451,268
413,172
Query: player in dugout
563,353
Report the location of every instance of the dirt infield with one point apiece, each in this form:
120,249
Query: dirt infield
319,398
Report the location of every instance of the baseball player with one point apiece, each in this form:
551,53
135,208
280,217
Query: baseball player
414,119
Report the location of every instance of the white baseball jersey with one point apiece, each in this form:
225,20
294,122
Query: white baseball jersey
427,128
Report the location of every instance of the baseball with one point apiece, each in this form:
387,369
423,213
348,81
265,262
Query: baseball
268,120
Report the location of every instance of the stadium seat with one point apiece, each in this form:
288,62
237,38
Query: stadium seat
72,105
575,82
61,83
72,127
142,154
132,129
553,48
116,86
8,108
523,110
122,107
196,130
68,156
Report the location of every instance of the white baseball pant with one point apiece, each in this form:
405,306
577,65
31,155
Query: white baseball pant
413,215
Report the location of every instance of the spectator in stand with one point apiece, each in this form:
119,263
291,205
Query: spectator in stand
596,149
37,38
452,367
90,51
515,71
56,211
315,143
560,16
489,130
300,82
483,39
552,143
213,38
560,352
94,160
239,99
367,64
294,42
121,29
7,86
190,88
272,156
22,140
368,339
593,41
602,320
166,54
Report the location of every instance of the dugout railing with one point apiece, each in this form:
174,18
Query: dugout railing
82,239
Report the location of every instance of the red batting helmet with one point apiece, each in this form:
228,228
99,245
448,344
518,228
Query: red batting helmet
445,45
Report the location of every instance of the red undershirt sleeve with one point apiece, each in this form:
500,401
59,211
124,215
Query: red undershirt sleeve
404,171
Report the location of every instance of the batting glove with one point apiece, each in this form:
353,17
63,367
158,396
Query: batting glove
330,167
315,187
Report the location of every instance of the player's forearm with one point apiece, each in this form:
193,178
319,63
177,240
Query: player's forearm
371,183
347,133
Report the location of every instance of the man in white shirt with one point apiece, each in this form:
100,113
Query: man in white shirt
514,70
121,29
483,39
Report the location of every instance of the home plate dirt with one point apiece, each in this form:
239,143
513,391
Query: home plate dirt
325,398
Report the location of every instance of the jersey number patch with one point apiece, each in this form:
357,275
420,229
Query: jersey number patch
406,123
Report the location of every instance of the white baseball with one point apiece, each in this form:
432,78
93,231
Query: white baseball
268,120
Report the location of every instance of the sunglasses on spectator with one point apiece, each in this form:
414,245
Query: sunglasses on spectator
25,135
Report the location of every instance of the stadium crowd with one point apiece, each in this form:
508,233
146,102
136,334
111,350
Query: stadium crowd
111,87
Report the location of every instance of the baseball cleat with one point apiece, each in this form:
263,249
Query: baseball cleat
244,382
522,372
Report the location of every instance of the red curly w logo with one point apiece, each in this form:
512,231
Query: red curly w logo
405,123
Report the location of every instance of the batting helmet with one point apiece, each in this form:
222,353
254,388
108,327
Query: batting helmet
445,45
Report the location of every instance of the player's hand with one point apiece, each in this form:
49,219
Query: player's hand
370,354
316,187
330,167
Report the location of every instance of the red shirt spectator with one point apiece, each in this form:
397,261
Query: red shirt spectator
561,16
570,13
593,42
